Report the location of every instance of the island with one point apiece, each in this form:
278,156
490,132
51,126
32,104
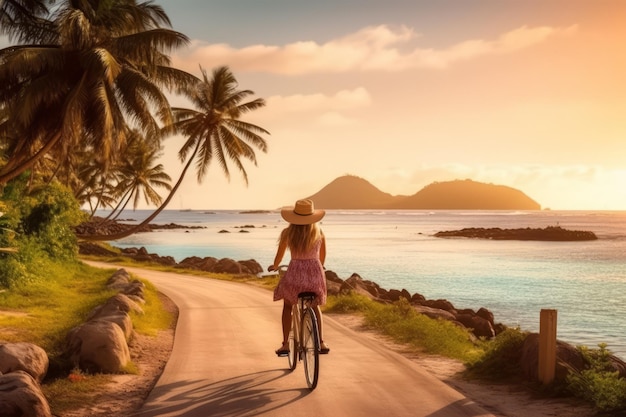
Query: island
550,233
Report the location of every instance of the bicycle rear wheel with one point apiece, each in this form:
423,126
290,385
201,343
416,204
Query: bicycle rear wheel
311,348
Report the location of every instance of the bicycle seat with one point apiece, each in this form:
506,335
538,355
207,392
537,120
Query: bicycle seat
307,294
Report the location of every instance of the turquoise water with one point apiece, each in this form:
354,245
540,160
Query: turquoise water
584,281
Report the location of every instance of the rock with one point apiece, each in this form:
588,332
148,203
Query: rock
202,264
333,288
98,346
435,313
20,396
135,289
568,359
333,277
478,325
417,299
227,266
123,321
119,303
25,357
486,314
356,284
118,280
251,267
440,304
90,248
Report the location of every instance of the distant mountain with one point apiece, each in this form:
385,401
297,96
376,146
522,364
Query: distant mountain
352,192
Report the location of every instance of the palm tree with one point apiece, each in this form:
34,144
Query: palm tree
139,175
103,72
213,130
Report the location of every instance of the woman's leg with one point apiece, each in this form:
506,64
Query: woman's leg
286,321
323,347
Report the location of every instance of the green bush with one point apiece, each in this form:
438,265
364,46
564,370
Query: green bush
50,220
599,384
38,224
501,359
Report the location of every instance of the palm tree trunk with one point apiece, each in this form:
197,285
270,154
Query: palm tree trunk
8,175
134,229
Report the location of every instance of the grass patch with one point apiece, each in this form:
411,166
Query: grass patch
74,391
43,311
403,324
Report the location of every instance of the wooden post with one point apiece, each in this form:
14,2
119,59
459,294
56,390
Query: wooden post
547,345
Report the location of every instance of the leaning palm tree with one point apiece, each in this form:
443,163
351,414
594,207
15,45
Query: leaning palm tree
103,72
214,131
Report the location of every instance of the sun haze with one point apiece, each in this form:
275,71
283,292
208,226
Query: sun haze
529,94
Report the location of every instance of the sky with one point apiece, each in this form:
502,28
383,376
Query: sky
529,94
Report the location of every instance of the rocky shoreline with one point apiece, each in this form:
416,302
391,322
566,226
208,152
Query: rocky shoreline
100,226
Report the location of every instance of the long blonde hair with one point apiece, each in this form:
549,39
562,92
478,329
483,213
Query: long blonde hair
301,237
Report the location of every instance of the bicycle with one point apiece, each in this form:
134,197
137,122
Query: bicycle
304,336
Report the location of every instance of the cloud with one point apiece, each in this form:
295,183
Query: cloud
326,109
376,48
342,100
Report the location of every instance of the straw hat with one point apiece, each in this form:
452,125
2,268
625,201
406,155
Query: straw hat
303,213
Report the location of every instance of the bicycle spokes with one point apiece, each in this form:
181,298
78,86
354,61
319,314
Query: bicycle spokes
310,348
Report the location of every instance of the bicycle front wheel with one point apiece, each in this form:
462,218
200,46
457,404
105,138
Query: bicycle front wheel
293,344
311,348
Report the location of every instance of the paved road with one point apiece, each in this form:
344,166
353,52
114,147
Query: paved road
223,364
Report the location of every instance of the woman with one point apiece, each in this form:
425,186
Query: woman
305,272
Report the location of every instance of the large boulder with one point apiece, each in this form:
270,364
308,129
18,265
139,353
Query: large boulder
360,286
568,359
98,346
250,266
227,266
119,303
195,262
20,396
123,321
25,357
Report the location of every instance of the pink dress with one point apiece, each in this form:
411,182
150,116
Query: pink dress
304,273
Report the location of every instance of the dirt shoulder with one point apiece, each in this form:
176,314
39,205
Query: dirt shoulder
506,400
126,393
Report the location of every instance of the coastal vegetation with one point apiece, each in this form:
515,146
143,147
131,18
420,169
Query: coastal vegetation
84,101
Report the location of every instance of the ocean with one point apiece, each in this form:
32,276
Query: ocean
584,281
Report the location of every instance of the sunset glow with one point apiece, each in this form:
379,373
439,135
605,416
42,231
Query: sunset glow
529,94
525,94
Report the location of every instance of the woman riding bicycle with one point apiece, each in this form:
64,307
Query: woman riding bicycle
307,245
